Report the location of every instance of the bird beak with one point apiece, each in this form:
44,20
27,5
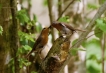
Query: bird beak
50,27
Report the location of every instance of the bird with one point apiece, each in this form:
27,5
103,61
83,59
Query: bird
40,42
64,29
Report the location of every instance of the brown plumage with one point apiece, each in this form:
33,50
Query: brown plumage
40,42
64,28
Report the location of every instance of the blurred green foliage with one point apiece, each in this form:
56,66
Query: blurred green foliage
45,2
93,56
92,6
101,24
23,62
93,47
22,16
98,32
64,19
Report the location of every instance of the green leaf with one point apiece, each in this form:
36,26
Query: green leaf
22,16
98,32
38,27
93,66
64,19
26,47
92,6
1,30
34,18
24,36
74,51
23,62
80,49
101,25
93,48
74,42
27,63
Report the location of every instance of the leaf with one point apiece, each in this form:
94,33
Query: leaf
93,48
23,62
74,42
22,16
93,66
74,51
25,36
92,6
101,25
26,47
34,18
98,32
27,64
64,19
38,27
80,49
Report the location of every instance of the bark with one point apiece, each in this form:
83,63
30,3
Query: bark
13,34
4,40
9,38
56,56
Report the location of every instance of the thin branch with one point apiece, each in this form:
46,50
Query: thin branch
29,8
93,34
50,10
59,7
50,16
103,51
88,29
65,9
86,38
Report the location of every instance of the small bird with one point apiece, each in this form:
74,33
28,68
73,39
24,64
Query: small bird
41,41
64,29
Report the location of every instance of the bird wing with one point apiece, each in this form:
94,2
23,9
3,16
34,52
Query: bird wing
70,27
35,45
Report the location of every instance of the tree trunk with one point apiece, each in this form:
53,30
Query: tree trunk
9,38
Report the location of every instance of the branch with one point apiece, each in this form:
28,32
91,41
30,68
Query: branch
56,56
50,16
88,29
65,9
14,44
103,50
59,7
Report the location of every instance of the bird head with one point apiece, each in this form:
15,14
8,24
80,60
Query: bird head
46,30
57,25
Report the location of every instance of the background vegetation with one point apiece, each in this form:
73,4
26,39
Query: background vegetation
22,21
